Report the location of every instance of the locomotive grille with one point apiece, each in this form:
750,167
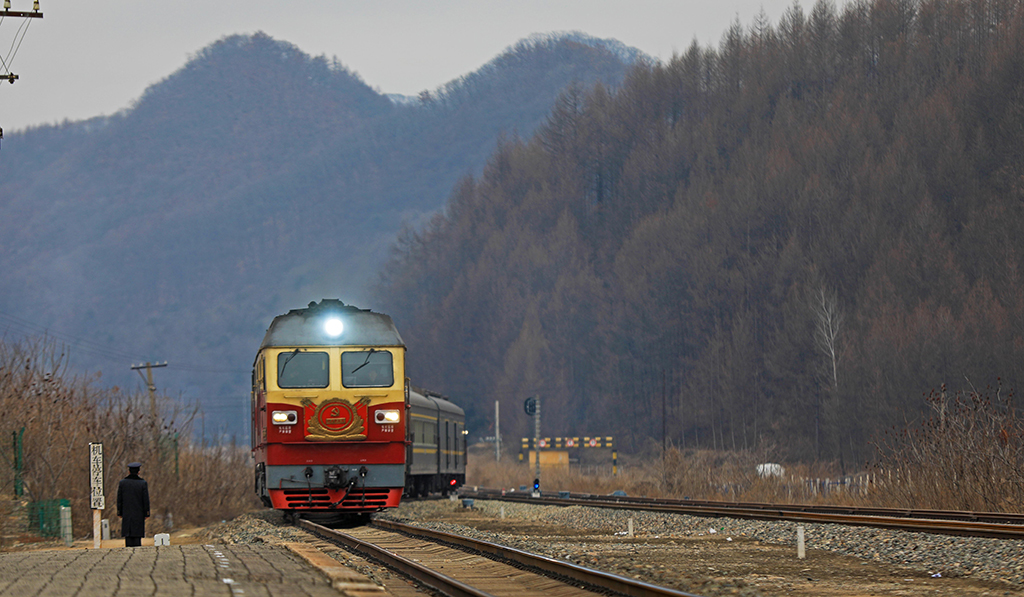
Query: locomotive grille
356,498
306,497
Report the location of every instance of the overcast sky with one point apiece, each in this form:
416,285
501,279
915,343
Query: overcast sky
86,58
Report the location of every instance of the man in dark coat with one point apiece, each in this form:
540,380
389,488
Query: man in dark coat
133,506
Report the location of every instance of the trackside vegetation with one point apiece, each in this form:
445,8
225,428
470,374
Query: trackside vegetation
57,413
967,454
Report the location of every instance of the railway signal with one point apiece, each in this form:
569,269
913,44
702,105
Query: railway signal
533,403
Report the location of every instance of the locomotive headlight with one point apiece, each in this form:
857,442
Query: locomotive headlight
333,327
386,417
284,417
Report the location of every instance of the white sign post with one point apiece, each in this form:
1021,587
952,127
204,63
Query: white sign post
96,499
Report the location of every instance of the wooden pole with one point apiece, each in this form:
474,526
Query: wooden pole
97,532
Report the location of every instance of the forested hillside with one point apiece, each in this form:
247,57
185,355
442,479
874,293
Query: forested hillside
784,241
251,181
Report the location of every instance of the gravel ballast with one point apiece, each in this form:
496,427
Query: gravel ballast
706,556
938,556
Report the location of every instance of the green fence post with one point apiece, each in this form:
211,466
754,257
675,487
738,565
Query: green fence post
19,462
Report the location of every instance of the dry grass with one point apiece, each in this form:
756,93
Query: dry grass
704,474
968,455
62,413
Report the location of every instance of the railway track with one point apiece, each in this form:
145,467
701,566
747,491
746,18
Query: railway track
972,524
460,566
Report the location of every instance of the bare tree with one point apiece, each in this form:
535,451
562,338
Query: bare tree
828,323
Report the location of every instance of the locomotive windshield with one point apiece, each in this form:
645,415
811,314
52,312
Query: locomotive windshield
367,369
302,370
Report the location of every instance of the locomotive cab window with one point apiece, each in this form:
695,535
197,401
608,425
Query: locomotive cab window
297,369
367,369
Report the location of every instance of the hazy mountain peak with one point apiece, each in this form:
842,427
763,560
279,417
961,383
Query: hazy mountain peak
627,54
257,74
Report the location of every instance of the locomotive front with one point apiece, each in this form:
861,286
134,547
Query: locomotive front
328,411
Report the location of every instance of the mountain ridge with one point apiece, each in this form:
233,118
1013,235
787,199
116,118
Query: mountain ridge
251,180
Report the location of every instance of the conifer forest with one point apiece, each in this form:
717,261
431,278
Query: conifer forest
781,243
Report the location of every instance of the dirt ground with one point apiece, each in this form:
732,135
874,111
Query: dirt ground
717,565
186,536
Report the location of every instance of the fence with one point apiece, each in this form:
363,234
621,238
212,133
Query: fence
44,517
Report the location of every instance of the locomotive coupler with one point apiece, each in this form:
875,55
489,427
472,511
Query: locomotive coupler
348,485
334,477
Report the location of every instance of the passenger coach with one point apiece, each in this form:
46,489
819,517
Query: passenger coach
329,411
436,458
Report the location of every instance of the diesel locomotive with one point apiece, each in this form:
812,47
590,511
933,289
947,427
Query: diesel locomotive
336,428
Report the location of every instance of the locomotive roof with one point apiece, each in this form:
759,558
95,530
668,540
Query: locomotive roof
305,327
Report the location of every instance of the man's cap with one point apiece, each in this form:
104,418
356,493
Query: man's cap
134,465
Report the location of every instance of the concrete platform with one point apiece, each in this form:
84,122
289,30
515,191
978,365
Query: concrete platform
249,570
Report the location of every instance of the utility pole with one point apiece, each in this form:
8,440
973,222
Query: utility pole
664,417
149,383
497,432
664,434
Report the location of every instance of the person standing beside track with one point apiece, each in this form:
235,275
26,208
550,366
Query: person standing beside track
133,506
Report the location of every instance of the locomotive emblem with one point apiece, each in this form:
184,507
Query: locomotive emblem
335,419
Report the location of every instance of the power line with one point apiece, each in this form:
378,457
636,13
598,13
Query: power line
75,341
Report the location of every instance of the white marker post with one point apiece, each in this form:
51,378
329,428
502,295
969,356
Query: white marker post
96,498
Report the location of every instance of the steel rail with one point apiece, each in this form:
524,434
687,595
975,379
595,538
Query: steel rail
587,576
431,578
993,517
602,581
974,524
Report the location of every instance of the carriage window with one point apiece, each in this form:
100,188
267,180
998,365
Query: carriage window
367,369
302,370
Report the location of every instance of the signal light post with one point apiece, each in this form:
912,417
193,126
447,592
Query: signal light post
532,407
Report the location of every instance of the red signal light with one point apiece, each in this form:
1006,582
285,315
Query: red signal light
452,482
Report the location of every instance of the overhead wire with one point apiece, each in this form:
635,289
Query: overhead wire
2,61
10,59
13,51
22,29
81,343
